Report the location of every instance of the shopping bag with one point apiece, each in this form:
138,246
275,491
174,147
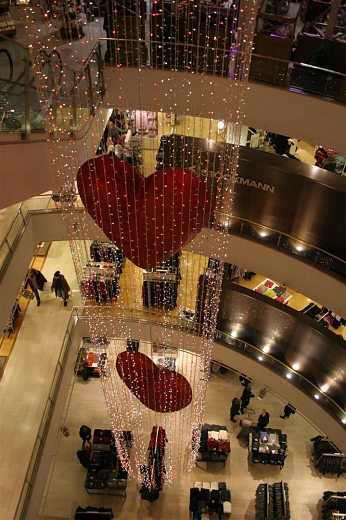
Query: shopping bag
28,295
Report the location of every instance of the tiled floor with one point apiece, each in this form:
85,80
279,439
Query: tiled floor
66,489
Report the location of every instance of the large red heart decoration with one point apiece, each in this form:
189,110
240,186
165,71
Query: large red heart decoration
157,388
149,219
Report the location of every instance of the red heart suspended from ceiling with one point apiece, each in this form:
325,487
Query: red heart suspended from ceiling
149,219
157,388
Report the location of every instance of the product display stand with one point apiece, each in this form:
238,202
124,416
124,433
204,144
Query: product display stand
273,290
105,474
334,505
160,284
209,498
272,502
267,447
327,457
215,444
100,281
88,360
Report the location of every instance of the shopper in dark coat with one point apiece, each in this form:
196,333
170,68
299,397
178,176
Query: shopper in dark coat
288,411
245,398
36,281
60,286
235,408
263,420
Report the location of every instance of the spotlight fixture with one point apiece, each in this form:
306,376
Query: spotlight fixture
260,358
316,396
289,375
343,420
234,333
296,366
220,125
324,388
266,349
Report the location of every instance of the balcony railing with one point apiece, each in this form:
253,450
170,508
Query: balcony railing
26,77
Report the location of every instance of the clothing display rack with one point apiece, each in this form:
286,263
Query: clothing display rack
206,295
208,498
267,447
154,471
93,513
323,315
334,505
214,444
12,319
105,473
100,281
233,272
327,457
106,252
272,502
160,284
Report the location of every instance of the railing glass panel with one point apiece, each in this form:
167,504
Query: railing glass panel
21,110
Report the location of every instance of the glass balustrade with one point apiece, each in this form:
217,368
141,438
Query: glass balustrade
26,97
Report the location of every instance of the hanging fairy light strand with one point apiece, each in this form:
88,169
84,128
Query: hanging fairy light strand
190,37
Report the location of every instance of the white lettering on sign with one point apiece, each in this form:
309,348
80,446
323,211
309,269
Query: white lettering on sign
251,183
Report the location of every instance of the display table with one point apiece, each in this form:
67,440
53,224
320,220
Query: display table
215,444
267,447
273,290
105,474
208,498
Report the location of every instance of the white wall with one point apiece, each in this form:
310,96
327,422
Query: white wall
26,166
307,117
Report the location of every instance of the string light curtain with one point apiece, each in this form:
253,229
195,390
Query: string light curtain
148,192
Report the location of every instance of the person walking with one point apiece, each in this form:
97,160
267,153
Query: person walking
36,281
235,408
245,398
288,411
60,286
263,420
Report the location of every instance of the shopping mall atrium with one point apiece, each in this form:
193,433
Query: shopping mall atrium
172,259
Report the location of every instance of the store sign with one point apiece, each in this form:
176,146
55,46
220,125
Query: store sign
204,159
251,183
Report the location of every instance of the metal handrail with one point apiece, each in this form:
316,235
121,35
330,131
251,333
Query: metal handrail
222,49
276,231
279,79
92,101
175,322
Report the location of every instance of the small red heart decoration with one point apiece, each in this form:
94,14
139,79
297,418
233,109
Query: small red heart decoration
157,388
149,219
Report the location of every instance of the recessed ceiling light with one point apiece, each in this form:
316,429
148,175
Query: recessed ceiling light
260,358
289,375
266,349
316,396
